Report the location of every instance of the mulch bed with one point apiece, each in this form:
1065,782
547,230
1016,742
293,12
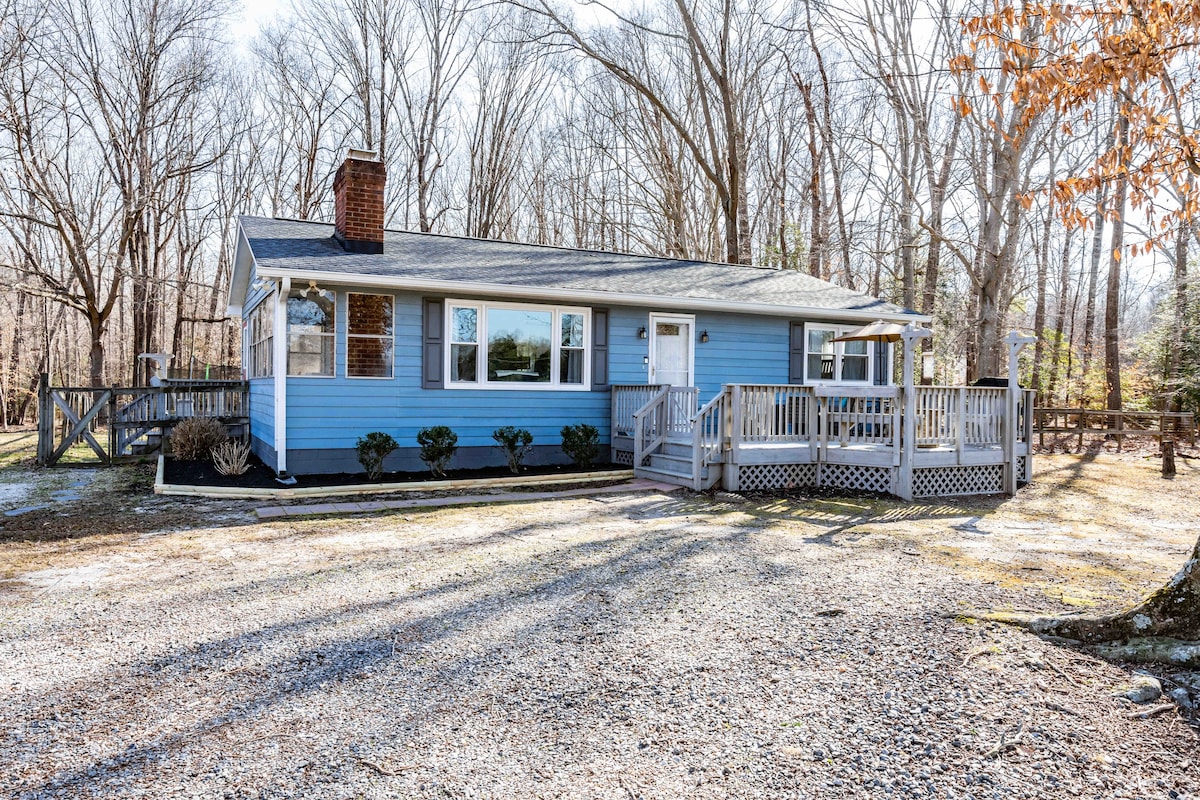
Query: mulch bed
259,476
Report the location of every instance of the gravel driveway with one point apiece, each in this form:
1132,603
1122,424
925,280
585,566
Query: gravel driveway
630,646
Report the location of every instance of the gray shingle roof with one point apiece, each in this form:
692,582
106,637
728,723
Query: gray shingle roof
308,246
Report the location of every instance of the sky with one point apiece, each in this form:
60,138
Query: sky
255,14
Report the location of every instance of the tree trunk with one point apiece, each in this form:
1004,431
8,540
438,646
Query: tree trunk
1112,297
1172,612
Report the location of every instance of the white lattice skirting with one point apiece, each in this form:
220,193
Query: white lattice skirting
858,478
1024,473
951,481
754,477
622,457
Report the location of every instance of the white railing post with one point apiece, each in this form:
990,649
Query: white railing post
739,410
910,337
1016,343
960,425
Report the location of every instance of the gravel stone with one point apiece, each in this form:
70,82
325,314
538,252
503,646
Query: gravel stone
628,646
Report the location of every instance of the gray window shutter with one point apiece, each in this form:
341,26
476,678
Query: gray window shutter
433,342
600,349
796,354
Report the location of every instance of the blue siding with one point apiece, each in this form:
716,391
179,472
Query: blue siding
262,418
332,413
741,348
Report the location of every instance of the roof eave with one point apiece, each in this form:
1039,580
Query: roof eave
239,279
588,295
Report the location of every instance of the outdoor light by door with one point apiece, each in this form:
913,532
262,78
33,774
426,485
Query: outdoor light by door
704,337
642,332
645,360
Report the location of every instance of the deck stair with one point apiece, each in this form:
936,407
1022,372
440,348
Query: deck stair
677,443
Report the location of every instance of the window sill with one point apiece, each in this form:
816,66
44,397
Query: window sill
528,387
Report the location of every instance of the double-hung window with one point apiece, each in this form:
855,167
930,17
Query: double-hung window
310,331
370,324
827,361
503,345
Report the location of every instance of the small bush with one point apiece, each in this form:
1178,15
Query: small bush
231,457
581,443
372,450
516,444
438,446
194,438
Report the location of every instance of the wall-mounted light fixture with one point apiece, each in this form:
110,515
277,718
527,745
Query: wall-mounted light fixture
642,332
646,360
704,337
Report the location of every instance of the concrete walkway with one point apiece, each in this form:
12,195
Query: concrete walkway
323,509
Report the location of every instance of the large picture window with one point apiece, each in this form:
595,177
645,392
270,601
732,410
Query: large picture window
827,361
260,333
310,326
370,321
501,345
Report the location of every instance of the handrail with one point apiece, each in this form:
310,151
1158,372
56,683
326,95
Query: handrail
708,435
652,407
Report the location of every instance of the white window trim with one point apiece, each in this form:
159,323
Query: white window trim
685,319
838,352
392,365
287,338
252,343
481,338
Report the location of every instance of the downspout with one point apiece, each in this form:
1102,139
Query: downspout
280,373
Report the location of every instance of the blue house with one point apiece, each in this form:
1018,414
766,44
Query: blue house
350,328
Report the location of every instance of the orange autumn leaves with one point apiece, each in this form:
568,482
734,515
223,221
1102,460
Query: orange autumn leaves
1089,65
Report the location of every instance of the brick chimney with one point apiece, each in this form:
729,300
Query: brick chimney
358,202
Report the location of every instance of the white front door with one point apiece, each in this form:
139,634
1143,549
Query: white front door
672,357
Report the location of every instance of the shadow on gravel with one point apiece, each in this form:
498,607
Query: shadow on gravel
515,596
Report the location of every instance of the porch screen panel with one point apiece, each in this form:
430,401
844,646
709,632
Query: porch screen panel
310,326
369,332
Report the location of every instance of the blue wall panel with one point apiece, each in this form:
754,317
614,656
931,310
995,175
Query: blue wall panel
332,413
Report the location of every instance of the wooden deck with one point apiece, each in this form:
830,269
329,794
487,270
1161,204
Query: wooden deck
935,441
111,423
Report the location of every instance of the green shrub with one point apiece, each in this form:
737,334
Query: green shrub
582,443
438,446
372,450
194,438
516,444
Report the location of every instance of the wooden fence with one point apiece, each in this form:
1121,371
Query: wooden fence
118,422
1177,426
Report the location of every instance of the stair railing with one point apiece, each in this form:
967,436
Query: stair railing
708,436
650,426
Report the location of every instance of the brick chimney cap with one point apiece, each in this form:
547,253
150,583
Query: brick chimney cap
362,155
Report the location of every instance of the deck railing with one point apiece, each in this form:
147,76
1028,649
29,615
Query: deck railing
772,414
669,411
859,417
949,415
626,400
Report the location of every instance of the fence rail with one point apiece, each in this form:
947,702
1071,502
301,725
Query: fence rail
1115,423
115,422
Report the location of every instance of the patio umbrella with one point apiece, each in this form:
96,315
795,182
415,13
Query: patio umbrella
877,331
881,333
